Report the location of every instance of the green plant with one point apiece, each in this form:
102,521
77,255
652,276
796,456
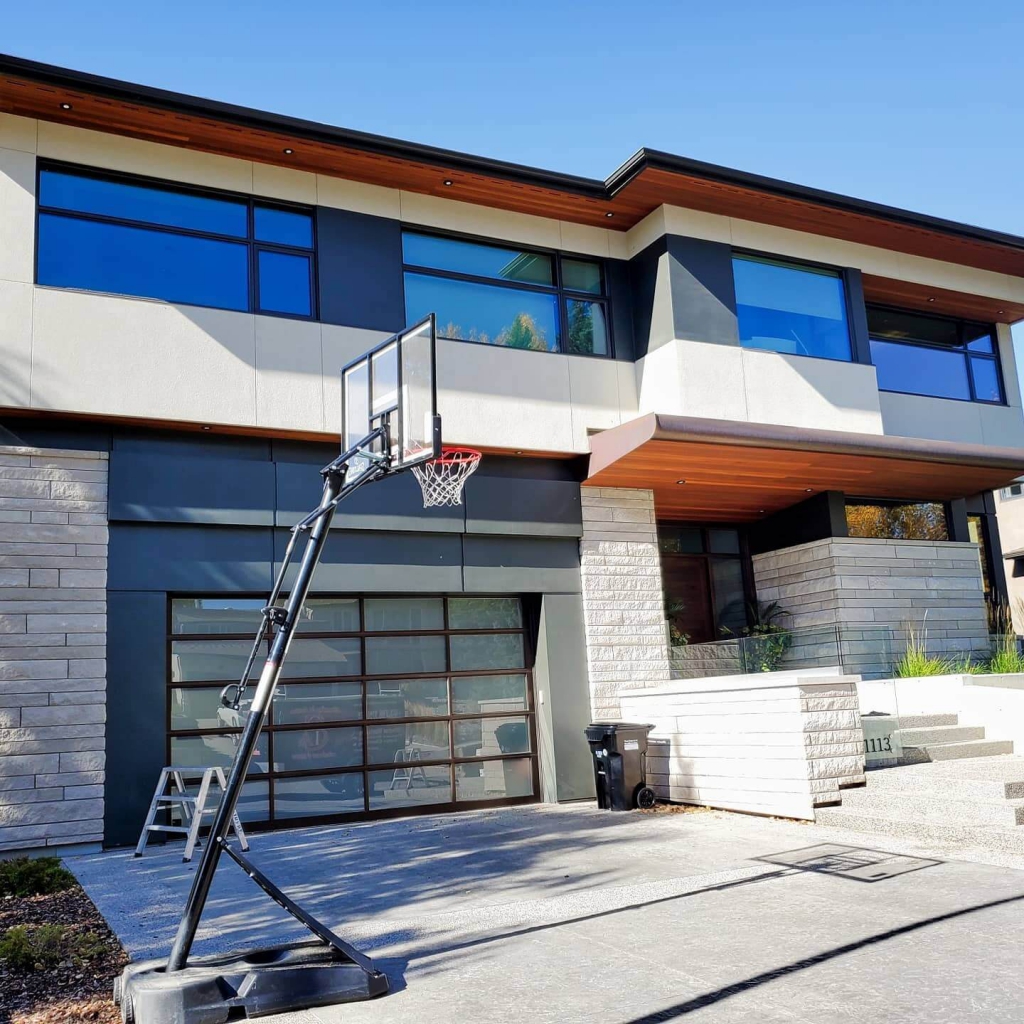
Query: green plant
915,659
965,665
1006,655
677,638
35,947
766,640
33,876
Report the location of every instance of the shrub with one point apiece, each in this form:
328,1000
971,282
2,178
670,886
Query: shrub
26,947
33,876
766,641
916,661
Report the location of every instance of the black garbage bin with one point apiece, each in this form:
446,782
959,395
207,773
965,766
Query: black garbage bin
619,750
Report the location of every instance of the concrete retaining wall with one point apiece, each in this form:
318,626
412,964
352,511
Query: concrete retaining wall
777,743
53,577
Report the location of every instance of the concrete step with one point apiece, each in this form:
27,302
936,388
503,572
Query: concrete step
934,808
940,734
955,751
1006,839
983,778
924,721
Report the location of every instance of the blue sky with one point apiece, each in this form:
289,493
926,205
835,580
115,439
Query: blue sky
909,102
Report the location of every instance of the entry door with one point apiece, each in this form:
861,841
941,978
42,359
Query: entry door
689,596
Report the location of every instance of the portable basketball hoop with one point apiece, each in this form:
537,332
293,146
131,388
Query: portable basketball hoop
442,480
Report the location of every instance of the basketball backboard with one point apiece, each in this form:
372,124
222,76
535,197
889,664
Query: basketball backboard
393,384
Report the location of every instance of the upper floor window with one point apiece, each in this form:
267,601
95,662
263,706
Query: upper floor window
936,356
791,307
136,237
498,295
1013,491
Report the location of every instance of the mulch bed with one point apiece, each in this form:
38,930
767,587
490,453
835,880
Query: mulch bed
67,992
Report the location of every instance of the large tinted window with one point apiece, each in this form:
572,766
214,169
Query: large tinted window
497,295
138,237
892,520
937,356
787,307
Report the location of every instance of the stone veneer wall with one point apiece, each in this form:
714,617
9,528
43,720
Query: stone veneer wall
53,578
623,607
864,583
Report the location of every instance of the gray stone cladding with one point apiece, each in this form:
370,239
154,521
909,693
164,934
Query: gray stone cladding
53,579
623,607
877,586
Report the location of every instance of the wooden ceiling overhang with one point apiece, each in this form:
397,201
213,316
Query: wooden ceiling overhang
648,180
724,471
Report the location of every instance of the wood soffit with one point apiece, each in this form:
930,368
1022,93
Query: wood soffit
647,181
719,471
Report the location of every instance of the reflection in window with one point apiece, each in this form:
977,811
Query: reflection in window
138,237
940,357
316,795
484,613
215,614
495,650
500,296
923,520
309,703
788,307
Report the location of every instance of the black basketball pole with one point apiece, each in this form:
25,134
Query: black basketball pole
335,488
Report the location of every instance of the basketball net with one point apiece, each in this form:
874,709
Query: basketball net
442,480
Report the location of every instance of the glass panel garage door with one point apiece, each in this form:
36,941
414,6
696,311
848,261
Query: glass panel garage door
386,705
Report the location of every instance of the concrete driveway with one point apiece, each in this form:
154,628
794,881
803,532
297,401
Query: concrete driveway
572,914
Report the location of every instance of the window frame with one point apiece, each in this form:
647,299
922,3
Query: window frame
562,294
366,768
253,245
759,256
962,324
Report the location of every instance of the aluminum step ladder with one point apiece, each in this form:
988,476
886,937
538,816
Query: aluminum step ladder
193,808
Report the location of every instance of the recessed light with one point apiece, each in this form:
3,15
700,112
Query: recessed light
680,481
760,511
447,182
206,428
519,452
609,214
65,106
288,152
808,490
931,300
1000,310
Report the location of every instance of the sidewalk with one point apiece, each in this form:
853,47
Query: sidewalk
552,914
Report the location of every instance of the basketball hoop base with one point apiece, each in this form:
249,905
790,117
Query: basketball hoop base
237,986
442,480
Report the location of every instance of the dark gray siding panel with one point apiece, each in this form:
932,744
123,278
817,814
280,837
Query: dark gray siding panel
818,517
395,503
523,564
359,261
643,273
384,562
136,709
703,293
620,296
859,340
542,508
156,487
199,559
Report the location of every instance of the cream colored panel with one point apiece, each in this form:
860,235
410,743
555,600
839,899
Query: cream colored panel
17,215
628,401
584,239
289,374
429,211
339,346
18,133
117,153
799,391
952,276
696,224
618,247
505,398
15,344
650,229
137,357
692,378
594,394
1002,425
354,195
283,183
1008,360
940,419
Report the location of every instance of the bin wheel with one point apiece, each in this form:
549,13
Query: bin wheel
117,990
127,1008
644,798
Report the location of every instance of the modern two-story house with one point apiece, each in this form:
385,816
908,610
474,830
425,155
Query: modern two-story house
695,389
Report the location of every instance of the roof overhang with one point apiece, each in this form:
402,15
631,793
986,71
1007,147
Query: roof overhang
738,471
646,181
